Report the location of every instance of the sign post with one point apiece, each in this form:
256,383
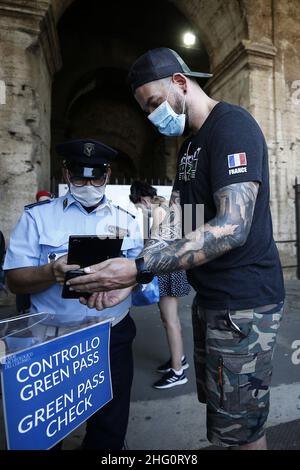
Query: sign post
52,388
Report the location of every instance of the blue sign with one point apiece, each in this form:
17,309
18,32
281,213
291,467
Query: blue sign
52,388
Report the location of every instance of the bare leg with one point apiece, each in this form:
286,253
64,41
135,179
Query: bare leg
169,315
260,444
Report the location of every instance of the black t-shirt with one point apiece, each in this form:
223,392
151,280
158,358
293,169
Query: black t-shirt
230,148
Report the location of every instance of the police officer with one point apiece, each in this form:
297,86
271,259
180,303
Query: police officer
36,263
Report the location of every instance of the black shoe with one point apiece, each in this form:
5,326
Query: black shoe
167,366
170,379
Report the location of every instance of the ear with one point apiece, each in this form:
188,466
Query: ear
180,80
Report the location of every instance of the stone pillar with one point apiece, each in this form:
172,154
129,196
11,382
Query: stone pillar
248,77
286,17
29,56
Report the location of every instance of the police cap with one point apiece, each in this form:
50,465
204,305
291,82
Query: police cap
85,153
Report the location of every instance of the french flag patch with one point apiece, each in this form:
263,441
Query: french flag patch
237,159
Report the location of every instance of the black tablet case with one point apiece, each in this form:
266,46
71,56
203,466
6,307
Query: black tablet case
87,250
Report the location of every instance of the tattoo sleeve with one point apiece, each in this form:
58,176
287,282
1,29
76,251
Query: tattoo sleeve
229,229
175,197
166,225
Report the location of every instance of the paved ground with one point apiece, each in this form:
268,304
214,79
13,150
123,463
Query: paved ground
173,419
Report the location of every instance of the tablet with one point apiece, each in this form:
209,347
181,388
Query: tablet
87,250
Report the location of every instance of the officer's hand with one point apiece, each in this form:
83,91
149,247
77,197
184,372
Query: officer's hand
103,300
115,273
60,267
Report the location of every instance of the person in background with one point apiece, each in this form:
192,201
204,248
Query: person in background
171,287
43,196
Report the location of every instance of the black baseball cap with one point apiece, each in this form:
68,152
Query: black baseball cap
159,63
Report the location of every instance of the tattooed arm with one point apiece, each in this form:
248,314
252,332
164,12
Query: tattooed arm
228,230
175,197
166,225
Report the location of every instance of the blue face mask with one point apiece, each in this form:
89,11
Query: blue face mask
166,120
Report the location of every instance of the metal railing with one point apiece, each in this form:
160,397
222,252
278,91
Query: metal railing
120,180
297,208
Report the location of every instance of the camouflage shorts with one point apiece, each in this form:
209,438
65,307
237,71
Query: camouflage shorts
233,353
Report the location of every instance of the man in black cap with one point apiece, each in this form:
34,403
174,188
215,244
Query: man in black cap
234,267
36,263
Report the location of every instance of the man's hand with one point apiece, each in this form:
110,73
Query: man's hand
60,267
116,273
103,300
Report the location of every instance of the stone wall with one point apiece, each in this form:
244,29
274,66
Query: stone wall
29,55
27,62
286,33
254,49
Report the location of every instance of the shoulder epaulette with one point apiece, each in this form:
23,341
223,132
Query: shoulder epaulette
124,210
40,203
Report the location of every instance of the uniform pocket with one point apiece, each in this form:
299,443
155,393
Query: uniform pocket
244,381
53,247
127,244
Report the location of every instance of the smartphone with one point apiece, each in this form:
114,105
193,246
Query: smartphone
70,294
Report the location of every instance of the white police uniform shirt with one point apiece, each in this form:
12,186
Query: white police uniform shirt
42,235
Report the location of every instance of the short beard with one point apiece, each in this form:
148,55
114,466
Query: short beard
187,128
178,108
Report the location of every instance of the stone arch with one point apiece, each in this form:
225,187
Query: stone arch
30,35
59,7
219,22
111,119
77,78
207,16
249,43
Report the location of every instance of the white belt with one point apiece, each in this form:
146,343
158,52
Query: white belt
49,331
120,318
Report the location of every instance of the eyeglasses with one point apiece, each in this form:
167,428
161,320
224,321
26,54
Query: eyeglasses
80,181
